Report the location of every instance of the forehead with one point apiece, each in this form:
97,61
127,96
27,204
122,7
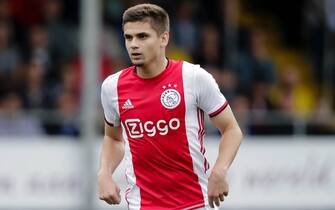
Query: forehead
137,27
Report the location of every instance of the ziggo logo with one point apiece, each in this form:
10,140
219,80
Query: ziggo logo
137,129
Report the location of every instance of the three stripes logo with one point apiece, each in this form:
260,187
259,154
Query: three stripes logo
127,105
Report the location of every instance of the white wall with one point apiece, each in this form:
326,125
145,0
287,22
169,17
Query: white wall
267,173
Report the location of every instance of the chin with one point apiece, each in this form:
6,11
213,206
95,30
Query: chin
138,63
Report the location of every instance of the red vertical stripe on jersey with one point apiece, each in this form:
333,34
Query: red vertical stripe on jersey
201,129
201,134
127,191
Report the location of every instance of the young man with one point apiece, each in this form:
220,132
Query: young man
158,104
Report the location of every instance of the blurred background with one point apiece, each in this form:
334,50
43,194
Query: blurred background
273,60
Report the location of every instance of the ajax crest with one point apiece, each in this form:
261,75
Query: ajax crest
170,98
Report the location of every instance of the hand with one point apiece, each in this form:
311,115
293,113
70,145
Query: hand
108,189
217,188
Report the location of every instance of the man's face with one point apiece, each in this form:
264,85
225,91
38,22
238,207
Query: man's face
143,43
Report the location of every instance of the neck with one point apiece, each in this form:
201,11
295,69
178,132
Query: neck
153,68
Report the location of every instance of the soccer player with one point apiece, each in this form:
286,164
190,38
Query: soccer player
154,115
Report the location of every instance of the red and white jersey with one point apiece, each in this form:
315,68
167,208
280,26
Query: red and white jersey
163,127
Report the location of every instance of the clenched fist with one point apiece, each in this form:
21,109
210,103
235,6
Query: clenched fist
108,189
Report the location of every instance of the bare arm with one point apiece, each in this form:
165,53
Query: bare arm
112,153
112,149
230,140
229,144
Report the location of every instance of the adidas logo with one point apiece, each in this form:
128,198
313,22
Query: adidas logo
127,105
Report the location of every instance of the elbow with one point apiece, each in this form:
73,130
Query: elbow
239,134
235,132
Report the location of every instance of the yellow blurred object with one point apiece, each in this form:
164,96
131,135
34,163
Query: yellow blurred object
178,54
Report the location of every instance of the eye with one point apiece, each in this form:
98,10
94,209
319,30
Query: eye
128,38
143,36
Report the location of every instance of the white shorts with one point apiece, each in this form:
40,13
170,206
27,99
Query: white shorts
207,208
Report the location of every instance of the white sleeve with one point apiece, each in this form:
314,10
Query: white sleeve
109,100
209,97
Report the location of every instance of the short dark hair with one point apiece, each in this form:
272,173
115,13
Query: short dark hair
155,15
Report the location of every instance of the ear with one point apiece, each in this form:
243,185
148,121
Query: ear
164,39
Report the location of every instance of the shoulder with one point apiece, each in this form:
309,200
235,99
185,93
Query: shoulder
195,69
111,80
187,66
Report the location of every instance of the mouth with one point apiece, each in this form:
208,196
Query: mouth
135,54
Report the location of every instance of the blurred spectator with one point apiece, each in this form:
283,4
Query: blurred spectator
69,83
67,107
291,95
314,35
7,15
112,51
113,11
185,28
106,68
319,28
61,43
34,88
27,13
230,28
5,12
65,118
209,52
322,119
38,48
174,51
228,83
111,60
65,100
263,116
287,86
226,80
14,121
240,106
256,66
9,56
260,100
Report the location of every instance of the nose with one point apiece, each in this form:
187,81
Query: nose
133,44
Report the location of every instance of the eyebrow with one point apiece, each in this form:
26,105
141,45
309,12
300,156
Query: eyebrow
138,34
127,35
